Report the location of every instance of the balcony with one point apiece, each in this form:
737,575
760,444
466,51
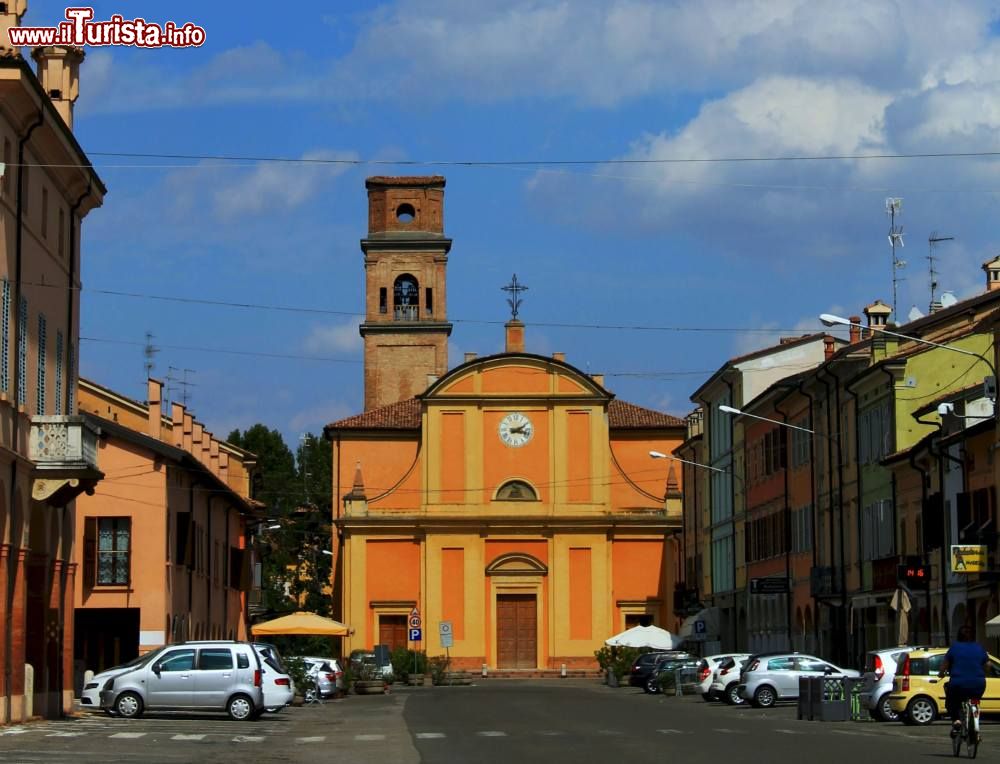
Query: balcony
405,313
825,582
64,452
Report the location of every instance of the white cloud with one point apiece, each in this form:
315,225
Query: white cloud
338,338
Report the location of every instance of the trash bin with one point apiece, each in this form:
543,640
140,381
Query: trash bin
834,702
805,710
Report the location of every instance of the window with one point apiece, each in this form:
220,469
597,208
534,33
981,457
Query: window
242,660
516,490
113,536
22,351
405,293
59,372
62,232
878,533
429,301
382,301
177,660
780,664
40,397
216,659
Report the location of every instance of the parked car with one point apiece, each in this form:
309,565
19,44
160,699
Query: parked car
275,680
644,667
918,694
672,669
90,697
209,675
768,680
361,660
725,678
326,674
876,687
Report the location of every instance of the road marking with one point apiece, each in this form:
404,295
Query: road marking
429,735
187,737
317,739
790,732
248,739
128,735
65,734
550,733
608,732
369,737
492,733
671,732
728,731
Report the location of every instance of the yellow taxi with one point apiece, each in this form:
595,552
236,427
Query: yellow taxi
918,694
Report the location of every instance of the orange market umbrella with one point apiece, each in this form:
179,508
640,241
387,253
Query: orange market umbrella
301,623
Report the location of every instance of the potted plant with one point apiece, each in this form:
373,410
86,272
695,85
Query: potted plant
301,680
438,666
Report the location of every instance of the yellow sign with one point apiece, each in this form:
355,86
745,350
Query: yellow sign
968,558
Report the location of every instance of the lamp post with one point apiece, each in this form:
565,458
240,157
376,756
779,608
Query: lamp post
840,501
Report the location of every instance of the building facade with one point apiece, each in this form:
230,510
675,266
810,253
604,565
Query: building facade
513,498
49,454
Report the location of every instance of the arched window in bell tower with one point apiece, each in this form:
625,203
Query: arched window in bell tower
405,296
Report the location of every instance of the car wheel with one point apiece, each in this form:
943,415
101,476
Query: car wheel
240,708
652,686
707,697
921,710
764,697
883,710
732,695
111,712
128,705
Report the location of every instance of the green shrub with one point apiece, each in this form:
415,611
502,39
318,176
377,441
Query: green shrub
438,666
299,675
406,662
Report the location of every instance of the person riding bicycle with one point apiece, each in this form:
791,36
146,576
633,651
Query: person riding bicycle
966,663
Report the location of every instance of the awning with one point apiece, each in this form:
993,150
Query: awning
702,626
301,623
644,636
993,627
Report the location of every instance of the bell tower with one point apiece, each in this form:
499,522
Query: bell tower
405,330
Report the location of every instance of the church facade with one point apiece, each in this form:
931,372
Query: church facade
511,498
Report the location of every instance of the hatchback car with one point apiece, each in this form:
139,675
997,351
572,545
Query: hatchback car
326,675
918,693
643,671
275,681
876,682
768,680
725,678
212,675
90,697
673,670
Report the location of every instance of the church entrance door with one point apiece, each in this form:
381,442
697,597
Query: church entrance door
517,631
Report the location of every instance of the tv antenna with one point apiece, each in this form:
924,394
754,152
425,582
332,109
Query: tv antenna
931,241
175,382
149,351
894,208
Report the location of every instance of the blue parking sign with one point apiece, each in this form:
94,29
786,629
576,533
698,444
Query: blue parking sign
415,635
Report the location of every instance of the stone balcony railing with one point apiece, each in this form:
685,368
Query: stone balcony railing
64,452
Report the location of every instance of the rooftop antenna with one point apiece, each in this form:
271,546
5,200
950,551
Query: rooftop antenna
894,208
149,350
174,383
931,241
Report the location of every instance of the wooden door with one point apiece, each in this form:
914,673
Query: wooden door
517,631
392,631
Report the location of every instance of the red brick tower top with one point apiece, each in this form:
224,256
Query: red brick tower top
405,205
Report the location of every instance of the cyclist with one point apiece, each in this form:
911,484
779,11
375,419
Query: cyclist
966,663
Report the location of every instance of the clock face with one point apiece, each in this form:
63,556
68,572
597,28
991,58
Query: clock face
515,429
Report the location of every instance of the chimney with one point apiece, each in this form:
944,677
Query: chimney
470,357
177,424
59,74
154,393
855,329
10,16
186,443
598,378
559,357
515,336
877,313
827,347
213,456
992,268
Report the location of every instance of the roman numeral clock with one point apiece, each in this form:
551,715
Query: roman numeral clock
515,429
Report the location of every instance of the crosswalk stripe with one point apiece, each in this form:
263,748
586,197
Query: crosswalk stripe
492,733
789,732
316,739
187,737
429,735
369,737
248,739
550,733
65,734
725,731
671,732
128,735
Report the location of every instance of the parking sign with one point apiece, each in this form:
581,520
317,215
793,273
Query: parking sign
416,635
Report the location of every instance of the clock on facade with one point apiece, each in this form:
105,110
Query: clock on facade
515,429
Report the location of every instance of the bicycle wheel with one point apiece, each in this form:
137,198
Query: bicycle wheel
956,743
972,733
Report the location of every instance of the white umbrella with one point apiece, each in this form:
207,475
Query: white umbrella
644,636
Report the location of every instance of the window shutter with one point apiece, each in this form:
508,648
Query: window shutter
89,552
183,554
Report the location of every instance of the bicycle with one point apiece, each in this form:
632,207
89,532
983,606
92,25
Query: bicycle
968,733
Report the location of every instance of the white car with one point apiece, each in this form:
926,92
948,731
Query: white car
876,686
90,697
771,678
725,678
277,685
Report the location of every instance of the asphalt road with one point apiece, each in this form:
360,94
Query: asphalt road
509,721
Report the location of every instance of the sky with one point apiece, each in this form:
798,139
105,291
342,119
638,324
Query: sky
651,272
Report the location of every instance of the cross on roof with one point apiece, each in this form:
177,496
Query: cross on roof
515,302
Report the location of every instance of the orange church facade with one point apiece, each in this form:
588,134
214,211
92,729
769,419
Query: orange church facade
512,496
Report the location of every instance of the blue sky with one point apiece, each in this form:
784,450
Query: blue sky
751,251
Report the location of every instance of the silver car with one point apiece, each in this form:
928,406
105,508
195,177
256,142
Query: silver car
726,678
212,675
90,697
876,682
275,681
768,679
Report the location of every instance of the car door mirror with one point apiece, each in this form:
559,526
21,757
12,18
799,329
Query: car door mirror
157,669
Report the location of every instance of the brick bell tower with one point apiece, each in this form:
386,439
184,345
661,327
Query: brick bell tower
405,330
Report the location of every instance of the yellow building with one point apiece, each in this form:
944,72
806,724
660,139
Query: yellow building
513,498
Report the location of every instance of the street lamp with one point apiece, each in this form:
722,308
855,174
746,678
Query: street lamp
658,455
327,551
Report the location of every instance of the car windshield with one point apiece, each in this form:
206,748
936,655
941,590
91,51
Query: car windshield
140,660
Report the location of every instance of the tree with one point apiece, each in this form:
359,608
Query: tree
275,483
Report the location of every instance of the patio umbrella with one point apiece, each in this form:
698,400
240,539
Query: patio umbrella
901,604
301,623
644,636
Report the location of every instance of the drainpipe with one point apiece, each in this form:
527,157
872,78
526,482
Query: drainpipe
788,528
71,292
14,386
813,505
840,505
732,504
924,479
945,530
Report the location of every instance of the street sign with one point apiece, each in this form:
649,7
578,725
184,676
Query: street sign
770,585
415,621
446,634
968,558
416,635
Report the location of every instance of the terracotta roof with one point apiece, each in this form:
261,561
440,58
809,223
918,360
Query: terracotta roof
405,415
624,415
405,180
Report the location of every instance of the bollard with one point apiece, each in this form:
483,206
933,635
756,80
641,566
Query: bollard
562,672
29,691
484,671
